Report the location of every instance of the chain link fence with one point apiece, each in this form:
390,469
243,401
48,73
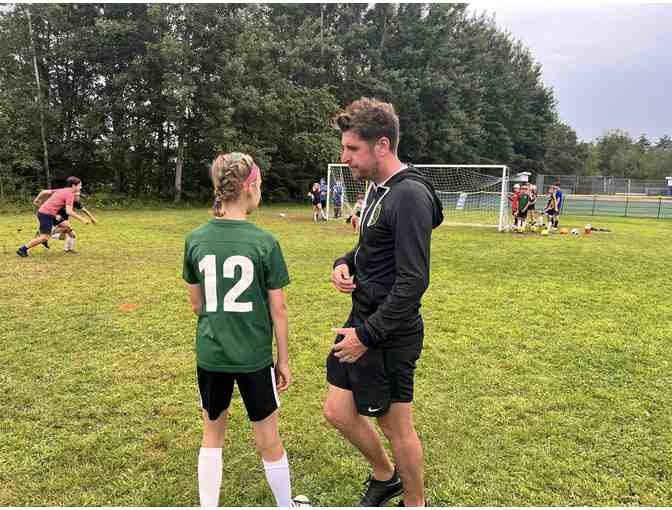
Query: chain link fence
597,195
604,185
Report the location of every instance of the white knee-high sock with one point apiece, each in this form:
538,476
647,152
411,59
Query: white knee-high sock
209,475
277,476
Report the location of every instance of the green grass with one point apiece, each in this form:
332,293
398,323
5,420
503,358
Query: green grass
545,378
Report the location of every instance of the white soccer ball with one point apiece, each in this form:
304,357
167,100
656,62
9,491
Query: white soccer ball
282,215
575,231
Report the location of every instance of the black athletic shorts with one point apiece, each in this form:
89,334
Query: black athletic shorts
380,377
323,202
257,390
46,222
522,214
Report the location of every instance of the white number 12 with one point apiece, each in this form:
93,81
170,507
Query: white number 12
208,266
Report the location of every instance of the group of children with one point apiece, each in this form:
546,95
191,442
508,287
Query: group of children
523,206
56,206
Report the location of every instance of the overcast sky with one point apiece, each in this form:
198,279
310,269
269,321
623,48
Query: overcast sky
610,66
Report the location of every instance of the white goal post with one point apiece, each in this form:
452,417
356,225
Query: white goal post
470,194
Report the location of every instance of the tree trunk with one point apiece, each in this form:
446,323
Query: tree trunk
39,101
178,167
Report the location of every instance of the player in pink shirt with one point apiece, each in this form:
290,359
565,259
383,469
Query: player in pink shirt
46,214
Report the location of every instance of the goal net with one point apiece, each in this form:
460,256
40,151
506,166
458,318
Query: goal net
470,194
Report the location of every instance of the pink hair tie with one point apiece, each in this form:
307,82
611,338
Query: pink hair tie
254,173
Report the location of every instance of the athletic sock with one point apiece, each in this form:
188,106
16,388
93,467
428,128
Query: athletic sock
209,475
277,476
69,243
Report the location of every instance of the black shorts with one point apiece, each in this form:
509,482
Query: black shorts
380,377
522,214
46,222
323,203
257,390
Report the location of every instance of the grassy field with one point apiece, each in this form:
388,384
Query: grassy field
545,379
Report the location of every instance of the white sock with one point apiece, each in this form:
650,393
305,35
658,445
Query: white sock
69,243
209,475
277,476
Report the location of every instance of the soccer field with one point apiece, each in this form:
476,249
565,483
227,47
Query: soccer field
545,378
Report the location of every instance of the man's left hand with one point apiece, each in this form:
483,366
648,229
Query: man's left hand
350,349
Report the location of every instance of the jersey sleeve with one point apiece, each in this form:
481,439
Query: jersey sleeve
275,268
188,271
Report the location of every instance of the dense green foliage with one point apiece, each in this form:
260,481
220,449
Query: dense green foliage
135,93
138,97
545,378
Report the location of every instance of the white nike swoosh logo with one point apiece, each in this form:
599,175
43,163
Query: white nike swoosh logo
374,410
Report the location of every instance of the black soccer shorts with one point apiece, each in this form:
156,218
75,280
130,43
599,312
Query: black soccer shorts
380,377
257,390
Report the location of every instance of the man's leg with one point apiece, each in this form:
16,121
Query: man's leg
340,411
397,425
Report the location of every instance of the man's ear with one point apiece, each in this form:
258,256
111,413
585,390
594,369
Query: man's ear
382,146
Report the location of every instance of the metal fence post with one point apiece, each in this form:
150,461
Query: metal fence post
660,203
594,201
627,201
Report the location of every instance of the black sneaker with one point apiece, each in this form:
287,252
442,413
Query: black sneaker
22,251
45,244
378,493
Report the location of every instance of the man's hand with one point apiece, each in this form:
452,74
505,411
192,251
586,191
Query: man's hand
341,279
350,349
283,376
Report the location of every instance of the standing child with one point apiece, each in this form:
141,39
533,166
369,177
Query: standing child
235,273
314,195
514,198
523,207
551,209
338,198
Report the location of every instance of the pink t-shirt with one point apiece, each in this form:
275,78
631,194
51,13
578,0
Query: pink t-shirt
59,198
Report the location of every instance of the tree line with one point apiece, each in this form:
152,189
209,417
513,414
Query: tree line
137,98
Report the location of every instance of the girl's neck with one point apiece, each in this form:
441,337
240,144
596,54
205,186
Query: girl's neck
233,211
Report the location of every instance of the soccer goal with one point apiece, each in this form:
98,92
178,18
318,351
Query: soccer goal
470,194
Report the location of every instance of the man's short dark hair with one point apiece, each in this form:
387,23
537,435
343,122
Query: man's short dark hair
371,120
72,181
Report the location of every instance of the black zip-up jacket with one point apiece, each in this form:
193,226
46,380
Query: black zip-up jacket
391,260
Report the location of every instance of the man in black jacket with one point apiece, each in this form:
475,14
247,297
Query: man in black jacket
370,369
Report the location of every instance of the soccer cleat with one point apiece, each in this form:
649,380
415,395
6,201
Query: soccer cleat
22,251
71,252
300,500
378,493
45,244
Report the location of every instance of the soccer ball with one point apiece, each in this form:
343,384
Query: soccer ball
575,231
282,215
588,228
544,232
563,230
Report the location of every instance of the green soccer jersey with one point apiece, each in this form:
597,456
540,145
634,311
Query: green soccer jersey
235,263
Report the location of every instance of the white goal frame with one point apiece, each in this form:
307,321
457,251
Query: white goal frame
468,186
